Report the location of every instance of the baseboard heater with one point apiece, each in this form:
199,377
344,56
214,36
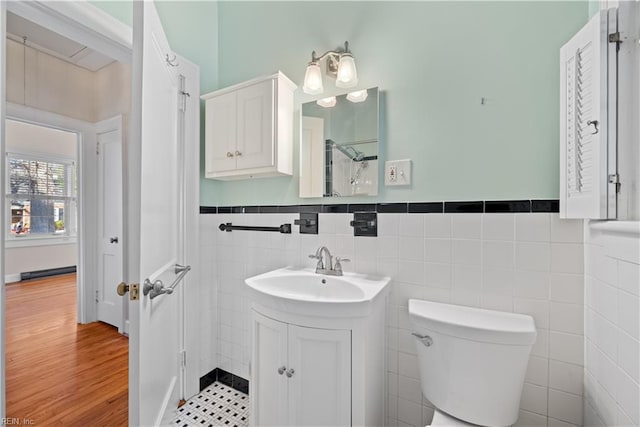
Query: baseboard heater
48,272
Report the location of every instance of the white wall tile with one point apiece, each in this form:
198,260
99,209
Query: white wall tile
412,225
409,389
565,407
466,226
498,282
467,278
533,228
566,230
534,399
533,256
409,412
466,252
567,288
538,309
388,224
567,258
529,419
411,272
387,246
629,276
437,275
566,347
437,250
498,227
566,318
629,314
411,248
532,284
629,355
408,365
628,396
498,254
566,377
538,371
437,226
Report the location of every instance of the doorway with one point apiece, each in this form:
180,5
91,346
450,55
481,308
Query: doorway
55,83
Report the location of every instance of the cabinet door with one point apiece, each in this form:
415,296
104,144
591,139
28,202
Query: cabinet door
587,114
220,133
320,387
268,386
255,146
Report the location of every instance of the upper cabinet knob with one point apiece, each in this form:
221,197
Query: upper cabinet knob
229,154
238,153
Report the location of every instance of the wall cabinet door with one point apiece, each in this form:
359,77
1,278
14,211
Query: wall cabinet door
320,387
220,138
299,376
268,361
255,131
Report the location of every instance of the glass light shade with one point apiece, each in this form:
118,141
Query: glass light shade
313,79
358,96
347,74
327,102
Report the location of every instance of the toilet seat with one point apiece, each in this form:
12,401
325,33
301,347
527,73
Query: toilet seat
442,419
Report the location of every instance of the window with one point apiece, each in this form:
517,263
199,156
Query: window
41,196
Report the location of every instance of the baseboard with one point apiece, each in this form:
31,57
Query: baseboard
11,278
226,378
48,272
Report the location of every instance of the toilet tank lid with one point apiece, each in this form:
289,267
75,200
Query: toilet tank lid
472,323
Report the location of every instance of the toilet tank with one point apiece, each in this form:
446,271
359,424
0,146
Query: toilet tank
472,361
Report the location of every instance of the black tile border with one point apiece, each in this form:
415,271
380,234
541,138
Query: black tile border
508,206
226,378
487,206
464,207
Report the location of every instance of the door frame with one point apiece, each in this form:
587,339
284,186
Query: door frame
85,23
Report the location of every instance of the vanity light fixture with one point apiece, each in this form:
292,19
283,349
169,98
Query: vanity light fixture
340,64
327,102
358,96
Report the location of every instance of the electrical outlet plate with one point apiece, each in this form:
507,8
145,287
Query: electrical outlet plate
397,172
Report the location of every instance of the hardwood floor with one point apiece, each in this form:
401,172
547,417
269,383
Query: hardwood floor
59,372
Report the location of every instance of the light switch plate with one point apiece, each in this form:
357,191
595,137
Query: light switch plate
397,172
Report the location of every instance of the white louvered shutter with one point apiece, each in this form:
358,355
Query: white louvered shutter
584,101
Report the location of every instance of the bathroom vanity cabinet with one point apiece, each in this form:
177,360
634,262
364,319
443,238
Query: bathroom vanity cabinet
307,370
249,129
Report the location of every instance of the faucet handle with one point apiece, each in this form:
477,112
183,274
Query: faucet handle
338,266
314,256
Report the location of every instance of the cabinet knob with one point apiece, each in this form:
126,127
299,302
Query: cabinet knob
229,154
238,153
290,372
281,369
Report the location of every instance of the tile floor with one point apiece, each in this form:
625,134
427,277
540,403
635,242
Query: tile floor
216,405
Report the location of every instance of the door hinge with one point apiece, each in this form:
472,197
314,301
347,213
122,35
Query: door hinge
183,358
615,38
183,100
97,148
614,178
97,296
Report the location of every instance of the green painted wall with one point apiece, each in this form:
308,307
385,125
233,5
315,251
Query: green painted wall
433,62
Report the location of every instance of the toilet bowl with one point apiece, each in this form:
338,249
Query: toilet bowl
472,361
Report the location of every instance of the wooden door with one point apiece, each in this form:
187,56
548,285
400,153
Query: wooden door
109,227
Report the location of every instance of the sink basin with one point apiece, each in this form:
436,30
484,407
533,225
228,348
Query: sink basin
301,290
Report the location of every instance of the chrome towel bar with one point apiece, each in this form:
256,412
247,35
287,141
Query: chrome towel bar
157,287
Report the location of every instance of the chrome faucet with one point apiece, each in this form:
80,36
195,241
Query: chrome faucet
327,268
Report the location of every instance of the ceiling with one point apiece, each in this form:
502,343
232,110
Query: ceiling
54,44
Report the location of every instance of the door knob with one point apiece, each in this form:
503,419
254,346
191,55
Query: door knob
113,239
123,288
290,372
281,369
238,153
229,154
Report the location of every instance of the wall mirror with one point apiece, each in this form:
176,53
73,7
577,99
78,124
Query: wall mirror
339,145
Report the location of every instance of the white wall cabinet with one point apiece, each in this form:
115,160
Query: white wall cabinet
301,376
249,129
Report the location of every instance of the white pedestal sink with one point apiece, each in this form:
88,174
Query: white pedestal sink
318,348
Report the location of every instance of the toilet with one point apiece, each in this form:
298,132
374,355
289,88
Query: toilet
472,362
